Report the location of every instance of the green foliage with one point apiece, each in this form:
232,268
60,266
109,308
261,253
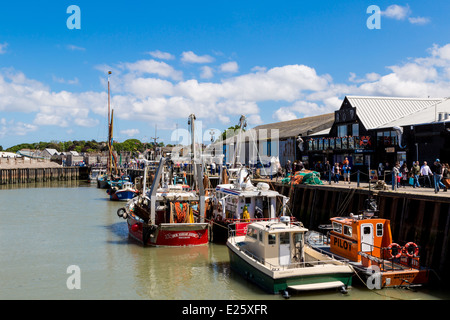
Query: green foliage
132,145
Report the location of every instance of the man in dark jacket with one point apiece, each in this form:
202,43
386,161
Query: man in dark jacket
438,176
415,171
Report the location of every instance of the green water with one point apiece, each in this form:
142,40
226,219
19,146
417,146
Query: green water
45,228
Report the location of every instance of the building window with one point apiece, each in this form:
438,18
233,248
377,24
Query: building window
355,129
342,131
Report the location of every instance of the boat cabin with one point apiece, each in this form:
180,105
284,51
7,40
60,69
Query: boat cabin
351,235
278,243
258,202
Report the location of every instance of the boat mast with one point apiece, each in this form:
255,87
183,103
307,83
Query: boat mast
193,157
242,125
108,164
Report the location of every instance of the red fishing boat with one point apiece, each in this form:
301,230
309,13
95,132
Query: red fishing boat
168,215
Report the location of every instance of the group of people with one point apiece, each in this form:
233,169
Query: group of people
339,169
440,175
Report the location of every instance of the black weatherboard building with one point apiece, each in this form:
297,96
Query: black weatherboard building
373,130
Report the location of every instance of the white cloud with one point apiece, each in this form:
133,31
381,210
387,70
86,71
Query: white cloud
153,67
191,57
62,80
3,47
207,72
231,67
130,132
419,20
397,12
161,55
143,93
72,47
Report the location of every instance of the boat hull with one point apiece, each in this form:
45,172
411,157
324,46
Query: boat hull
274,283
169,234
122,195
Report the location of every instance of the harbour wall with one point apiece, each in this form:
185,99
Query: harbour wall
25,175
422,219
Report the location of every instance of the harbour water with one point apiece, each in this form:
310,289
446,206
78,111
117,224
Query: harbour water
47,227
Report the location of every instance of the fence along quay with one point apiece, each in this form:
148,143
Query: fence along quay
13,171
423,219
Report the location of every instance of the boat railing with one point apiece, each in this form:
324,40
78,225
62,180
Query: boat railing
388,260
330,254
293,265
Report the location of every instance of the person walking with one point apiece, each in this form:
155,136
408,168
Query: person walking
327,169
336,172
346,171
415,172
446,176
395,175
425,171
439,170
404,173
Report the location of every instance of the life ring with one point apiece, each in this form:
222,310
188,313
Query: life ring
414,252
396,246
120,212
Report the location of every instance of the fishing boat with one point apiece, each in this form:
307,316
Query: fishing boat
94,174
122,192
240,203
275,256
171,213
366,241
168,215
104,179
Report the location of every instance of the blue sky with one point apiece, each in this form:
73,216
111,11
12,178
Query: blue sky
268,60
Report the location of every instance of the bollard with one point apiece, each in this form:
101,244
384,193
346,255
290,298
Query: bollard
357,178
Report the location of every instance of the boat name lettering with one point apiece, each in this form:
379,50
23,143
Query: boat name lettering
342,244
182,235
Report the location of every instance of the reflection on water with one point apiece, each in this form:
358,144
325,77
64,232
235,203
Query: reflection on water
47,227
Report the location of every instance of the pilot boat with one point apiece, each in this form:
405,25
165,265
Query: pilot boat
366,241
275,256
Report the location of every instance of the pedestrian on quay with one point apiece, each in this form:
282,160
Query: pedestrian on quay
336,172
438,173
380,170
288,168
327,169
346,170
404,172
415,172
446,176
425,171
395,176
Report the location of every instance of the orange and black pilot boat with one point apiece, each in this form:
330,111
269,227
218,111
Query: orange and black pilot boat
366,241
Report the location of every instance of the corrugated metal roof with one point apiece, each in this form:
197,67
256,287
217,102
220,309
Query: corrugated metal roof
426,115
292,128
375,112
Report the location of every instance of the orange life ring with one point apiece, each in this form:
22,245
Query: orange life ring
399,250
415,249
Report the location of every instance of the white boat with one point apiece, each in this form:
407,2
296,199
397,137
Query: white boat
239,203
274,255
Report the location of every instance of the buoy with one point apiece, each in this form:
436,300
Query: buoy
135,227
412,249
121,211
